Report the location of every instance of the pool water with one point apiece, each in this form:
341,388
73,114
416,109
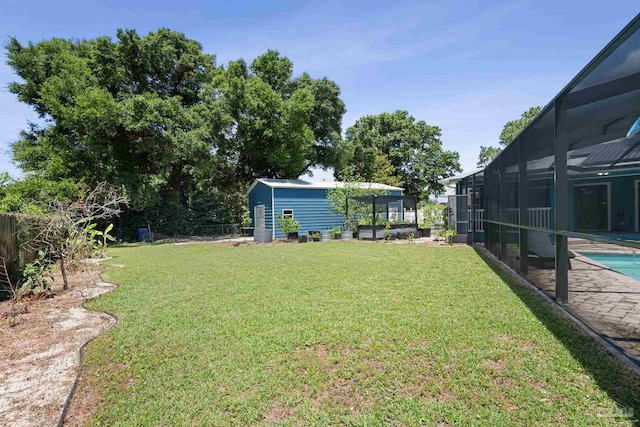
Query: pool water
627,264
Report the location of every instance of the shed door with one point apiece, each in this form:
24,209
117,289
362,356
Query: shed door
258,217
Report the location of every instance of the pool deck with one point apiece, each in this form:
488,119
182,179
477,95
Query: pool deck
607,300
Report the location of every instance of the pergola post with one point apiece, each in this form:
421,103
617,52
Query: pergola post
346,210
373,218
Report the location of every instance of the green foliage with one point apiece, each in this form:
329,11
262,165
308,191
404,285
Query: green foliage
432,214
512,128
387,226
275,126
36,279
156,115
446,214
287,224
126,111
100,238
367,219
34,194
246,217
413,149
351,209
448,234
487,154
384,172
336,232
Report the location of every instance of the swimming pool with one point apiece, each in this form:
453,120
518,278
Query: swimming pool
627,264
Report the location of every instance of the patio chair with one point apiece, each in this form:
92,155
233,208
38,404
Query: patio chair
542,246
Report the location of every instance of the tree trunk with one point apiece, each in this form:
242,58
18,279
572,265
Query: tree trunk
65,286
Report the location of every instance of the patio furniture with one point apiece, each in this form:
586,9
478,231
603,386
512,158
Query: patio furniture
543,248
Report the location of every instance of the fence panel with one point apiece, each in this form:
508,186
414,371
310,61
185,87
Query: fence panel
15,256
9,249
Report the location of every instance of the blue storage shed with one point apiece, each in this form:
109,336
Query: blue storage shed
305,201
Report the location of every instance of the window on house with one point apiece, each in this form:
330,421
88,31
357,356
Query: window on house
287,213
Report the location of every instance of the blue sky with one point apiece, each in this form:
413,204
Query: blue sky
466,66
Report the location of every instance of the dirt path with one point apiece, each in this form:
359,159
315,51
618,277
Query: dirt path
39,344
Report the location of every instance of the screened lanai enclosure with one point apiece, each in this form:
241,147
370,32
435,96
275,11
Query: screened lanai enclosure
561,203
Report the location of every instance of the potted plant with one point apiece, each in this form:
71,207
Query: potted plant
347,231
315,236
431,211
335,233
289,226
366,229
424,230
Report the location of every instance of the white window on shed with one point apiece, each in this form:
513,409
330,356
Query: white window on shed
287,213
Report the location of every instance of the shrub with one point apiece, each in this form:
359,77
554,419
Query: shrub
287,224
448,235
35,277
432,213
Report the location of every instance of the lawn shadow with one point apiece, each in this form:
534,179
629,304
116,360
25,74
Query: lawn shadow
138,244
611,375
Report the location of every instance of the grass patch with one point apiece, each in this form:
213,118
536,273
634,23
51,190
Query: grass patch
339,333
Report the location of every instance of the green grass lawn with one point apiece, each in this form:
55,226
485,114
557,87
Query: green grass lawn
339,333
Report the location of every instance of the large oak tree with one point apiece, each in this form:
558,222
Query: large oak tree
413,148
510,130
156,115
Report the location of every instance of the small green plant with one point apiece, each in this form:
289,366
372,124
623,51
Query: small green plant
288,224
335,232
448,235
315,236
100,238
432,213
349,224
35,277
387,235
368,220
410,237
246,218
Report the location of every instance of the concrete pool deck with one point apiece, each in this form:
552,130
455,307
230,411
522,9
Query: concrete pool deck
605,299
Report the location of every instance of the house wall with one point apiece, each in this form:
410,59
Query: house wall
260,194
622,203
310,207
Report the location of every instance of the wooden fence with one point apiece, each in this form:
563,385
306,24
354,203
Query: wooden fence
10,250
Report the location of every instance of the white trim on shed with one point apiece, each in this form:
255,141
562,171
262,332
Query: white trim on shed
298,183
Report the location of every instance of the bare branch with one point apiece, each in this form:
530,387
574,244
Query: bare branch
63,231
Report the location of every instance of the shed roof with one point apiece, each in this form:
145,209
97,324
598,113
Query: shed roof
301,184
